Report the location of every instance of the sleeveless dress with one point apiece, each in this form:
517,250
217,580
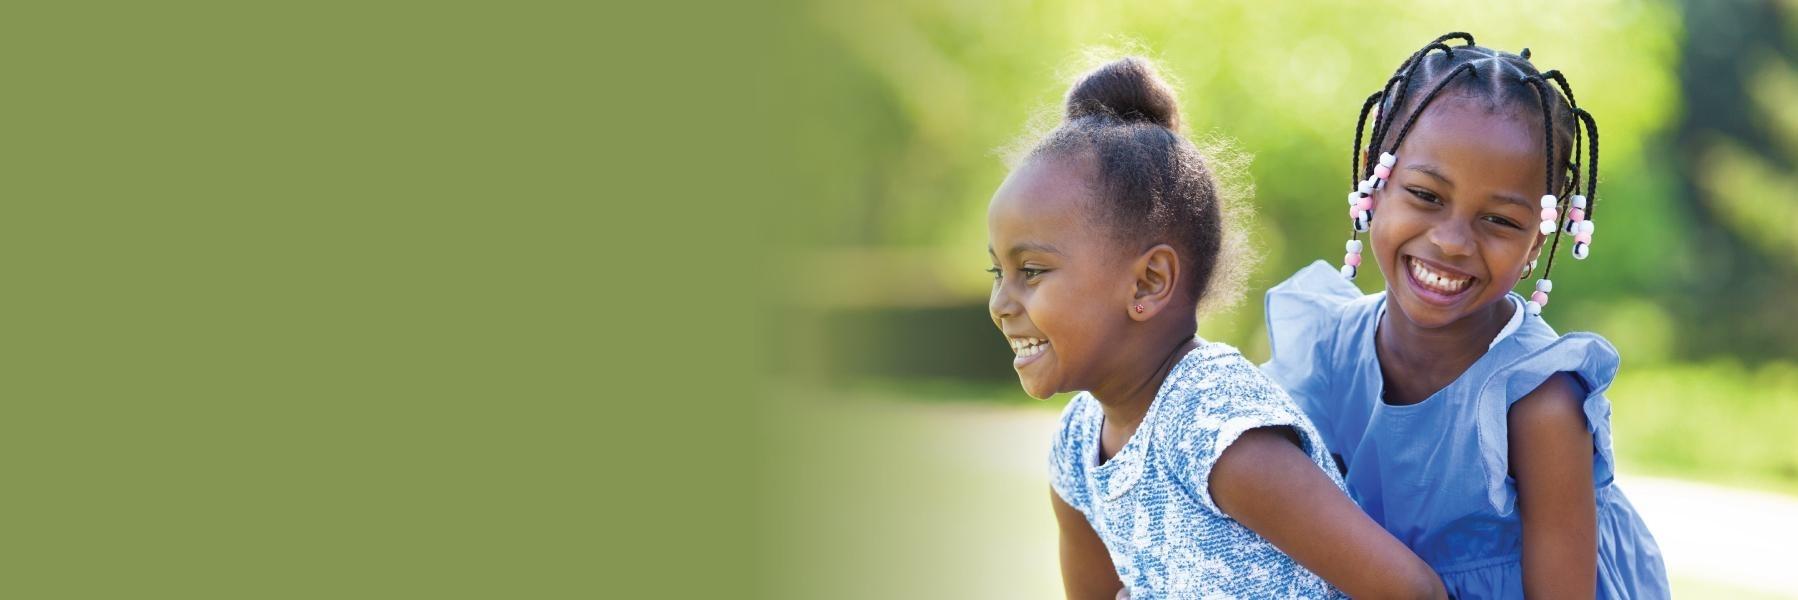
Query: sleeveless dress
1435,473
1151,503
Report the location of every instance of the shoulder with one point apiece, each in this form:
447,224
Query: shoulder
1305,317
1316,280
1081,409
1557,403
1079,423
1550,440
1220,402
1078,419
1545,397
1217,380
1590,360
1217,394
1315,293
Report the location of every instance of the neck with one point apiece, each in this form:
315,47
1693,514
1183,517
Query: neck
1430,358
1126,399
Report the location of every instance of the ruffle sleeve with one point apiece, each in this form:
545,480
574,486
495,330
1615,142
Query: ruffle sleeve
1303,314
1592,360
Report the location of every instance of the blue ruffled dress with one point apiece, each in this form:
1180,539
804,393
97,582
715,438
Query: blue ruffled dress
1435,473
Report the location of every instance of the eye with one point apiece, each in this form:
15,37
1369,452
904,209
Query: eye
996,273
1424,195
1030,273
1503,221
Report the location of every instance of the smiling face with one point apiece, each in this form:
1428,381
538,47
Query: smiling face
1060,291
1457,224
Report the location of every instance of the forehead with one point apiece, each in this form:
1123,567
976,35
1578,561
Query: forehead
1045,199
1479,145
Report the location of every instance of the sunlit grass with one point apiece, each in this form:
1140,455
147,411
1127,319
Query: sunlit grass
1720,422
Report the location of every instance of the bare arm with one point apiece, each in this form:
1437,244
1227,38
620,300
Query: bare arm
1551,458
1086,570
1266,482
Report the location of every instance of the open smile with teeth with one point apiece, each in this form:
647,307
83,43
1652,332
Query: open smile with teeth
1027,347
1436,281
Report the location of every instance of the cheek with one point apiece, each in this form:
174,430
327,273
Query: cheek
1072,316
1061,315
1387,212
1508,262
1389,230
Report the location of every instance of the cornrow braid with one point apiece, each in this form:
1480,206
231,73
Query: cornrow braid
1384,123
1548,168
1581,225
1591,161
1380,118
1567,90
1360,124
1548,157
1403,74
1440,85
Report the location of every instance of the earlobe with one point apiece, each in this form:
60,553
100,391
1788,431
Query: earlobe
1157,273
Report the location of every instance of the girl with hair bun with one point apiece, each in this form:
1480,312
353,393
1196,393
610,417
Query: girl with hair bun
1178,470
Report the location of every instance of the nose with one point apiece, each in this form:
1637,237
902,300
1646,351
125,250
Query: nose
1001,305
1452,237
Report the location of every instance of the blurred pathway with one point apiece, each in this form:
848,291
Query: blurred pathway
1717,541
1744,538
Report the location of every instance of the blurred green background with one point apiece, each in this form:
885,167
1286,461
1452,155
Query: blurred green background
918,100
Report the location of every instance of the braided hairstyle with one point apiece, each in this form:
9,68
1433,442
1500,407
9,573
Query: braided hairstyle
1151,185
1503,80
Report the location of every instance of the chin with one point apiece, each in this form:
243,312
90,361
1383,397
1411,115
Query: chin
1431,317
1037,389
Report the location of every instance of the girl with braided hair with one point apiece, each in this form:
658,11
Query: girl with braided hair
1461,421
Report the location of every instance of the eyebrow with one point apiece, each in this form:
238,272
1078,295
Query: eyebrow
1510,199
1432,171
1027,247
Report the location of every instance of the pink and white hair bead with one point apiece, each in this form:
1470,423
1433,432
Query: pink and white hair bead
1550,216
1361,206
1351,262
1539,299
1581,228
1383,172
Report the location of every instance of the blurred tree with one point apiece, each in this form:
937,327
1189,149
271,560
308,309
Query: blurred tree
1737,149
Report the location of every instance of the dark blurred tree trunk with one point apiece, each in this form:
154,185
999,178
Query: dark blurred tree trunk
1744,293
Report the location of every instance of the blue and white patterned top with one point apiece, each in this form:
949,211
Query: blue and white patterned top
1436,474
1151,504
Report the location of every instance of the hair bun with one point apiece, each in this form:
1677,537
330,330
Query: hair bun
1127,89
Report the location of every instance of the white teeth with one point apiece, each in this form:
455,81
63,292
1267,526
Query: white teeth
1441,282
1028,346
